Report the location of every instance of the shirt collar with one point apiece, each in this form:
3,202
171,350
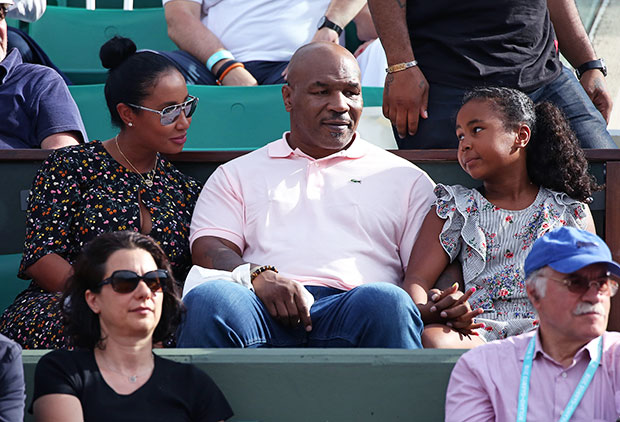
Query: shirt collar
281,149
590,348
12,60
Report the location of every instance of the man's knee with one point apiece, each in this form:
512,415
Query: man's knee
385,301
215,309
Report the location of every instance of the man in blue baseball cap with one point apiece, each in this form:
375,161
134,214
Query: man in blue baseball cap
568,368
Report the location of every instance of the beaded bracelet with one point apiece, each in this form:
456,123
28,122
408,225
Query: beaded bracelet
261,270
401,66
228,69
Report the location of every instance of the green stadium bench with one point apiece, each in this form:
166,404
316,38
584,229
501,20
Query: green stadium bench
227,118
72,37
312,385
10,285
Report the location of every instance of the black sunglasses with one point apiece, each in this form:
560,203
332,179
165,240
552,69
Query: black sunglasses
125,281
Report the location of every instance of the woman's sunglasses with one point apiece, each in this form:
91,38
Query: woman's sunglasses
171,113
125,281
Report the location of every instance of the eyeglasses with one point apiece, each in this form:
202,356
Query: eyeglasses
607,284
125,281
171,113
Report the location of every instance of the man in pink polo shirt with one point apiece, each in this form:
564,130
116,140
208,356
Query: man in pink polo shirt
567,369
325,220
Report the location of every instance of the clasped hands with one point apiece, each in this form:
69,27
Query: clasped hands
451,307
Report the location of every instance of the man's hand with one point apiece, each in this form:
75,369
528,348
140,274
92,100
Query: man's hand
326,34
453,308
405,99
593,83
284,299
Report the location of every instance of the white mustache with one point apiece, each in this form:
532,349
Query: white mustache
586,308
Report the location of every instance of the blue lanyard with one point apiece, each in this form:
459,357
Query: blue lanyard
526,372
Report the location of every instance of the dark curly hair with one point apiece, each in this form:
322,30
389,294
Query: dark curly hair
132,74
554,158
88,271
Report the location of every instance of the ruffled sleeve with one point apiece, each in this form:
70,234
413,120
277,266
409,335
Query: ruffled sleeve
574,211
459,207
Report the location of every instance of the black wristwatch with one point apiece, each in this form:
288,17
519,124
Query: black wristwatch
593,64
326,23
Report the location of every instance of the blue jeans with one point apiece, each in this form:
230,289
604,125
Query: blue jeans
444,102
196,73
225,314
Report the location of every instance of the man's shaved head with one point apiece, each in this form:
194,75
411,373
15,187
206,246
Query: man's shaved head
308,56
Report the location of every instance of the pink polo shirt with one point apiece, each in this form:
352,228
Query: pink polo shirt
340,221
484,385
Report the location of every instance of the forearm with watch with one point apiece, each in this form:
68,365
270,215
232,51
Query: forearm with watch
572,37
338,15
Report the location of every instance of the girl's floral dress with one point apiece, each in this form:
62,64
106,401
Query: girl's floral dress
492,243
78,193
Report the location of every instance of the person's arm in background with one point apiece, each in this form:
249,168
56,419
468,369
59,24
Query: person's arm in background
12,385
186,30
59,140
27,10
405,97
576,47
50,272
340,12
365,28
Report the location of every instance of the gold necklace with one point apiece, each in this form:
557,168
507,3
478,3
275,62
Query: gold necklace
148,181
131,378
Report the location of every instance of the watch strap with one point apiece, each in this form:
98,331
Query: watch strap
592,64
326,23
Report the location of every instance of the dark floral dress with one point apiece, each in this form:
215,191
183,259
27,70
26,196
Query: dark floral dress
492,243
78,193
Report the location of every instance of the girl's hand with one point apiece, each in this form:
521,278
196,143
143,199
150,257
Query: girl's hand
453,308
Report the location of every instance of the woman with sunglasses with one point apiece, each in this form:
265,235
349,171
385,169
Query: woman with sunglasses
122,183
121,300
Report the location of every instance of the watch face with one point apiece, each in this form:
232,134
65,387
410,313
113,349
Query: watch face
321,22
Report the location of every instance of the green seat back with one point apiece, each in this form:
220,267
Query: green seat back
72,37
90,99
105,4
10,285
227,118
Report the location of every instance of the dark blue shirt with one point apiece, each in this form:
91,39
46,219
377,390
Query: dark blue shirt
34,104
12,387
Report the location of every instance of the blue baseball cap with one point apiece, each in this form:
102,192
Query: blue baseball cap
567,250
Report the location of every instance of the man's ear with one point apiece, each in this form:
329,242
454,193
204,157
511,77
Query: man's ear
524,134
532,294
287,93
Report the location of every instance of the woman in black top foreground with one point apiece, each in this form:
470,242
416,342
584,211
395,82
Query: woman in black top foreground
120,300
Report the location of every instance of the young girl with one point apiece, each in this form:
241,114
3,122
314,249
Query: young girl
534,178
